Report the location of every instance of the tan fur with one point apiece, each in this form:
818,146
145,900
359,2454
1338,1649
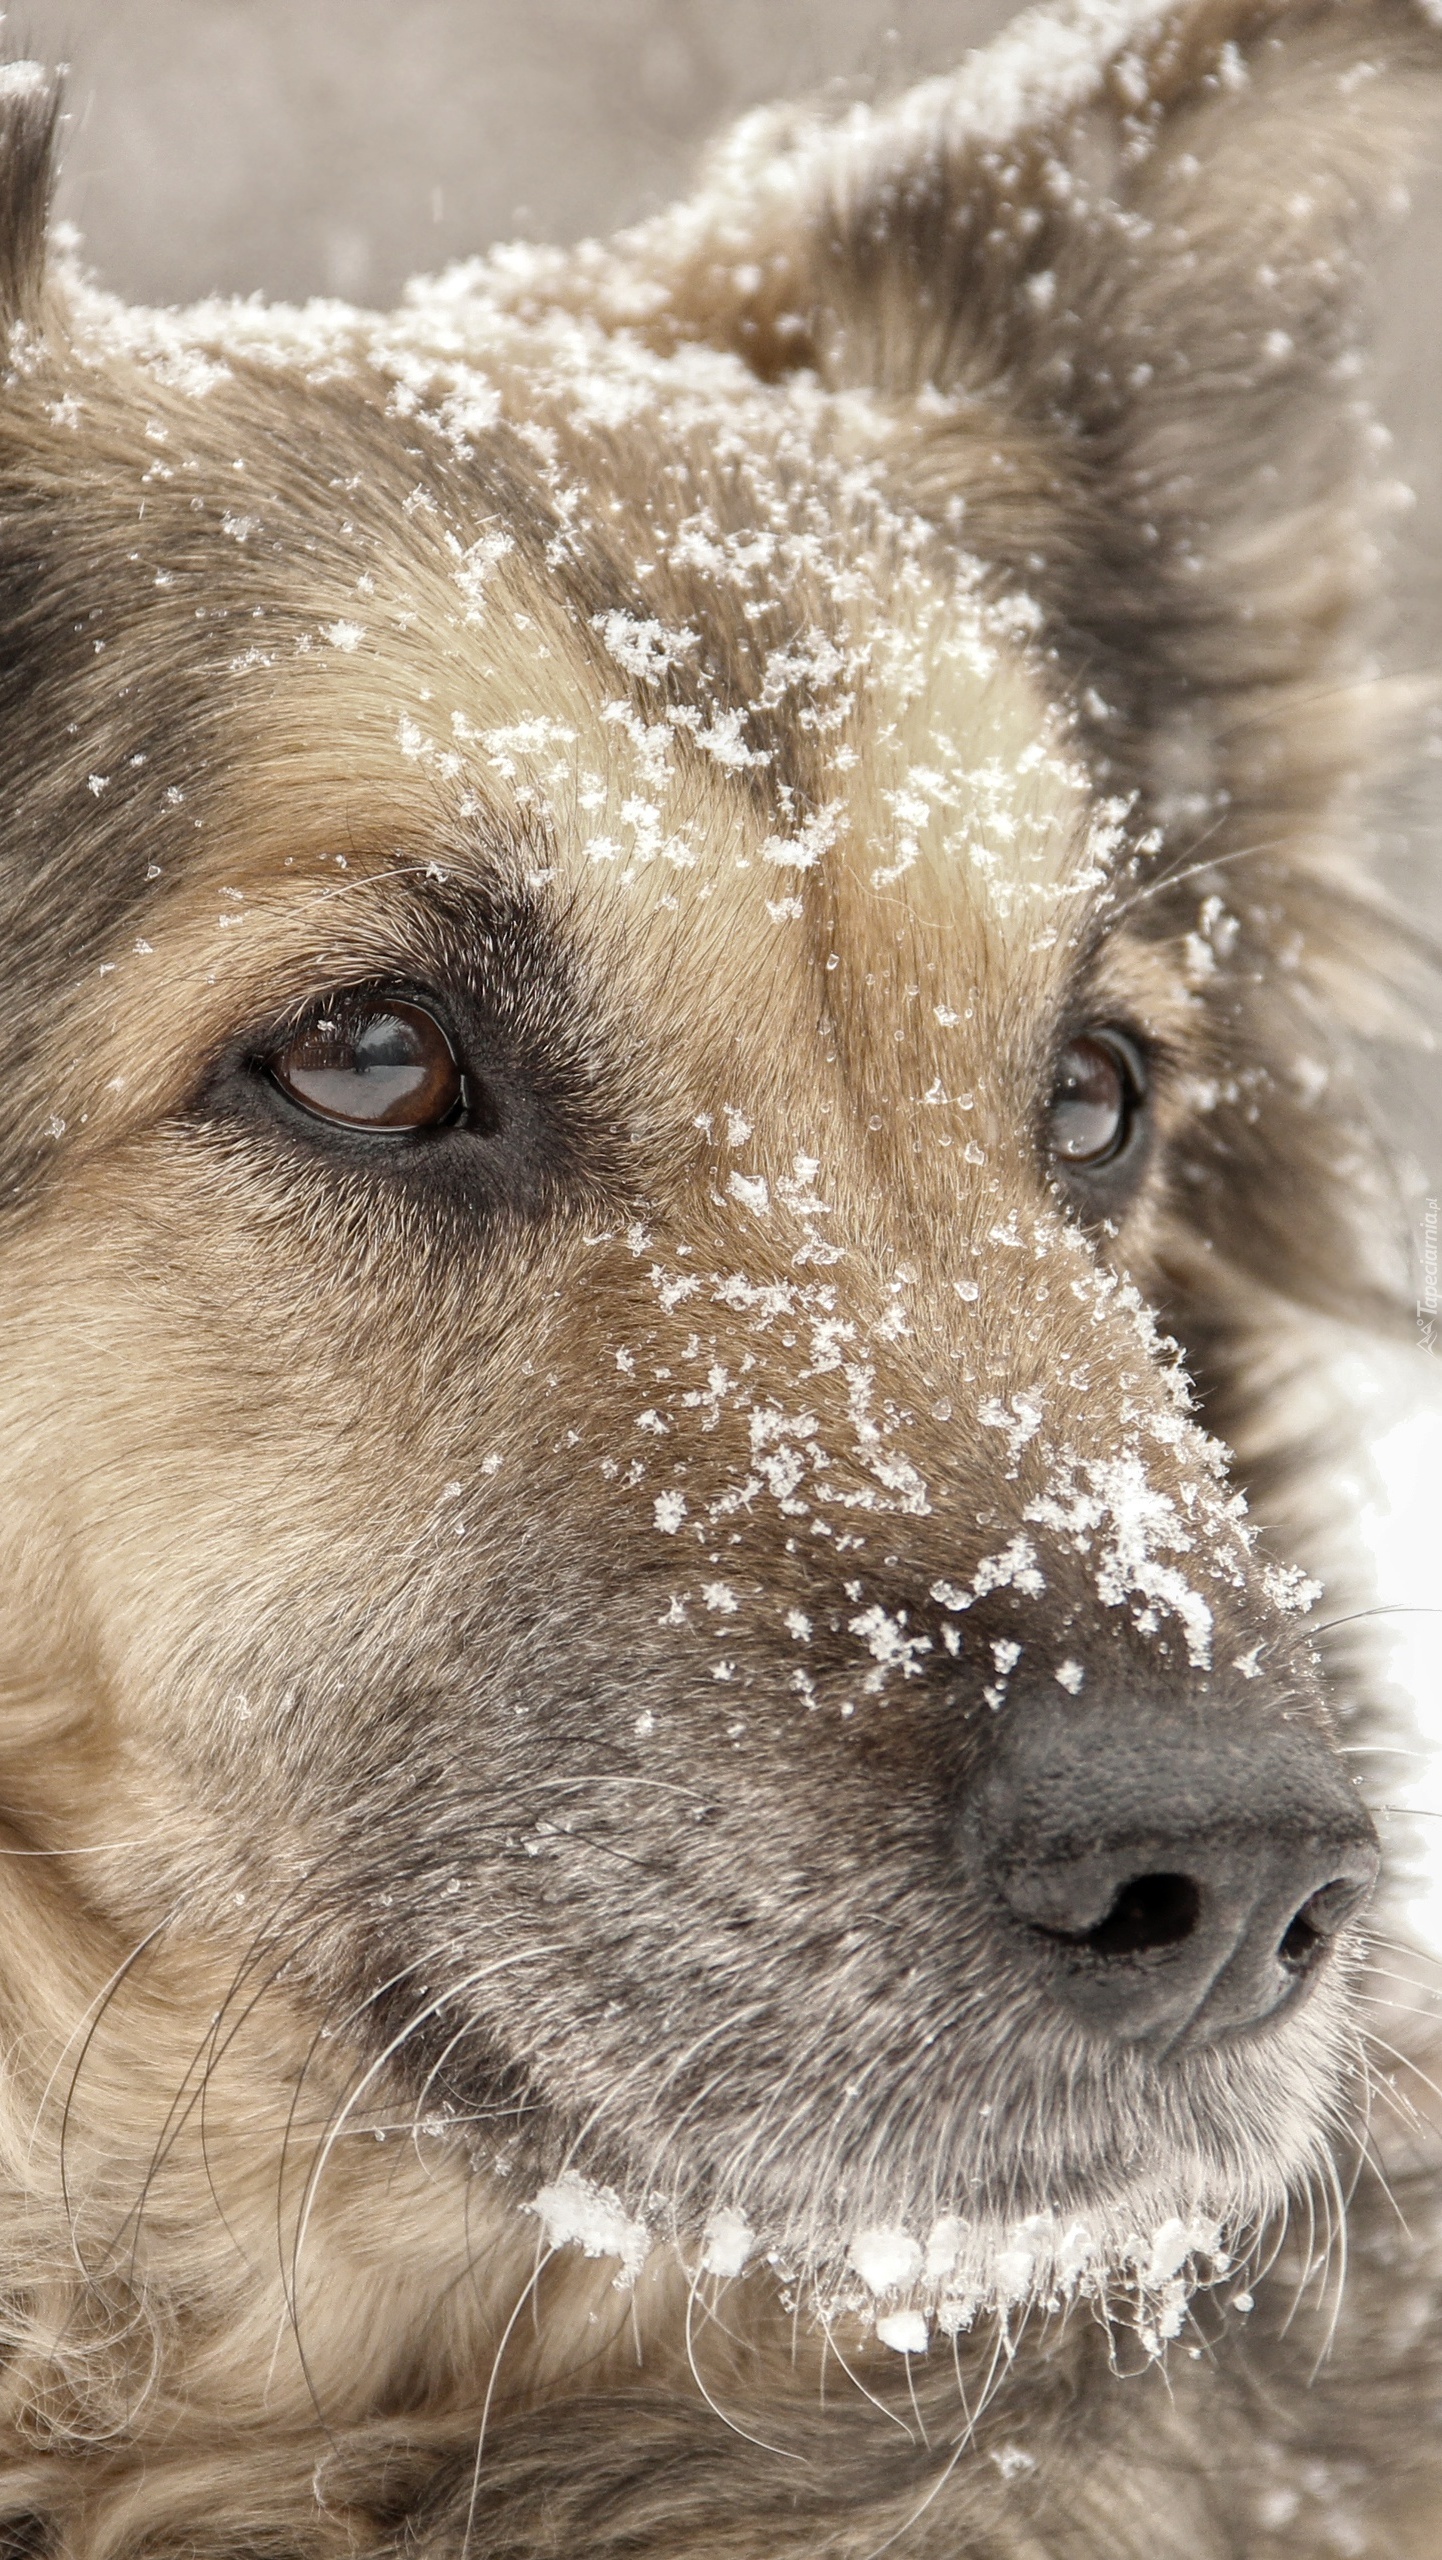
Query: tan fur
792,668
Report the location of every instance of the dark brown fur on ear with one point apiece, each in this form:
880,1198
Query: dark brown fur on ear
1145,272
30,102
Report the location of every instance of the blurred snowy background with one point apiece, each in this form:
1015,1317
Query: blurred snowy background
336,146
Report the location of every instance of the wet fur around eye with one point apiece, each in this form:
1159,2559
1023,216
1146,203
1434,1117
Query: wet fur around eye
682,1856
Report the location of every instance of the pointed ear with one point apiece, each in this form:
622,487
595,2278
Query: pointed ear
30,99
1107,287
1127,246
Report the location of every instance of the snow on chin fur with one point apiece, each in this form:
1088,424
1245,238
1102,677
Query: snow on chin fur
1135,2261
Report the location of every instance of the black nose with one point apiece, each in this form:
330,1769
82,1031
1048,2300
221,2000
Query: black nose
1170,1877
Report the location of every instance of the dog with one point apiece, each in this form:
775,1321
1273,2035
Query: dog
683,929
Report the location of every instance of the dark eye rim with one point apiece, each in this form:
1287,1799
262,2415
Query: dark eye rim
380,994
1123,1160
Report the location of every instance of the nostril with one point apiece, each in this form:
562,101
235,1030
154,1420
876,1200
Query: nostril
1301,1942
1311,1929
1145,1913
1149,1911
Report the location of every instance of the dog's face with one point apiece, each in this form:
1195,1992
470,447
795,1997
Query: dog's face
613,1074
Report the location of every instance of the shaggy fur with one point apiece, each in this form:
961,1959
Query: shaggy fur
511,1634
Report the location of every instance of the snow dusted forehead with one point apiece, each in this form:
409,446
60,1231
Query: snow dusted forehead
671,621
899,768
940,783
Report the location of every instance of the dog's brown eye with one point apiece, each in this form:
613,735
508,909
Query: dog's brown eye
371,1063
1095,1100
